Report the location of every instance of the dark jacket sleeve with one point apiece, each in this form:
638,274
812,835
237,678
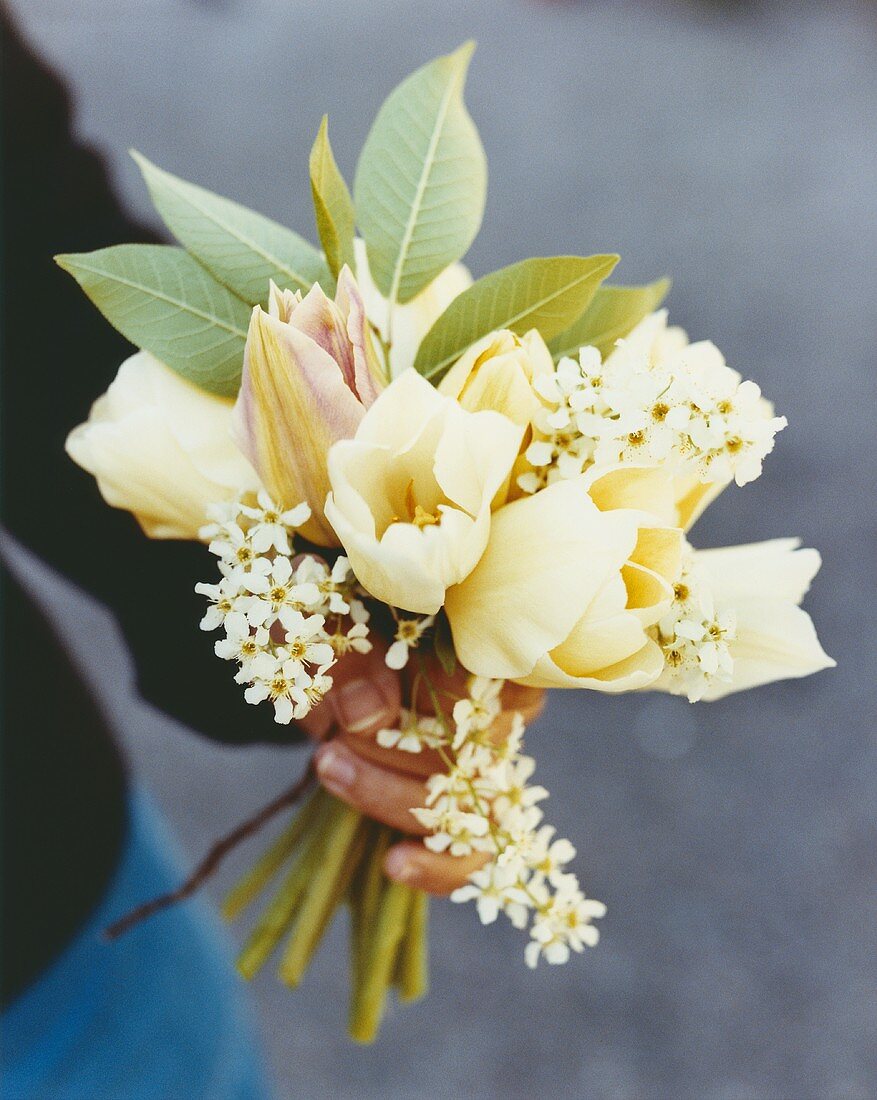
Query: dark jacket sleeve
58,355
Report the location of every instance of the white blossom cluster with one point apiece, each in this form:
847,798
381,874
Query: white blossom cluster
695,637
484,802
654,402
286,617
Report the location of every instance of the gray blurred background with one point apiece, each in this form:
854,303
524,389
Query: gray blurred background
735,844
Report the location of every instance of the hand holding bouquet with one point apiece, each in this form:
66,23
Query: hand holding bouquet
493,481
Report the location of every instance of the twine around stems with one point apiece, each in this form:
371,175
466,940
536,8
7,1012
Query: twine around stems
214,857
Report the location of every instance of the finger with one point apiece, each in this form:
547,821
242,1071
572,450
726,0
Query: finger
435,872
424,763
377,792
365,697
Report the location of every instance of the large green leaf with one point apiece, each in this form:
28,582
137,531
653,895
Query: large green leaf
613,313
546,293
164,301
333,205
421,180
241,248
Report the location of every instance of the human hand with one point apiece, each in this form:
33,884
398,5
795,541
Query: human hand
386,784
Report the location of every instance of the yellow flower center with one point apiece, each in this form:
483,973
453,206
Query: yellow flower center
279,686
659,411
417,514
408,631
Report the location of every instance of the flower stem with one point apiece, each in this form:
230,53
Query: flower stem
326,887
364,897
258,877
411,975
370,993
281,910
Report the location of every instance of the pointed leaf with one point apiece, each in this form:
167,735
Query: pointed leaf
545,293
614,312
333,205
240,248
421,180
165,302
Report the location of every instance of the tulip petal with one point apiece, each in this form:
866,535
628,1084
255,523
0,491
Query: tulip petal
463,466
605,634
775,640
368,375
634,673
320,318
641,488
547,558
777,568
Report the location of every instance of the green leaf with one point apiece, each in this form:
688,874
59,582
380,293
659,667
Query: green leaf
164,301
421,180
443,644
613,313
240,248
546,293
333,205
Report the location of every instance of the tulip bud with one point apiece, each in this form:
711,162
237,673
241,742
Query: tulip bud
310,372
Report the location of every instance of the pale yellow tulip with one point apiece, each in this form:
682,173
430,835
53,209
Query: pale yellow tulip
497,373
161,448
411,493
564,594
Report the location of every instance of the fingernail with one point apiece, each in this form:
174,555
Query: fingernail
359,705
335,769
398,866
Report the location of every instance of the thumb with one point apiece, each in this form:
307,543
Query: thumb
365,696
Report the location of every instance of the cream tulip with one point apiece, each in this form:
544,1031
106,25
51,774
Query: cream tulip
414,319
497,373
564,594
161,448
411,492
757,589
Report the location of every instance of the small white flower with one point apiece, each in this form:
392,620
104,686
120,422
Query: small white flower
241,643
305,639
479,710
271,525
225,598
492,889
284,682
408,635
415,733
278,589
355,640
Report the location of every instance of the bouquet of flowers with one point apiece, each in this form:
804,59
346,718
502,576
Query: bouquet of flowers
498,476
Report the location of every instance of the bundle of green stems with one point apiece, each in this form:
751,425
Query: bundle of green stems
331,856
